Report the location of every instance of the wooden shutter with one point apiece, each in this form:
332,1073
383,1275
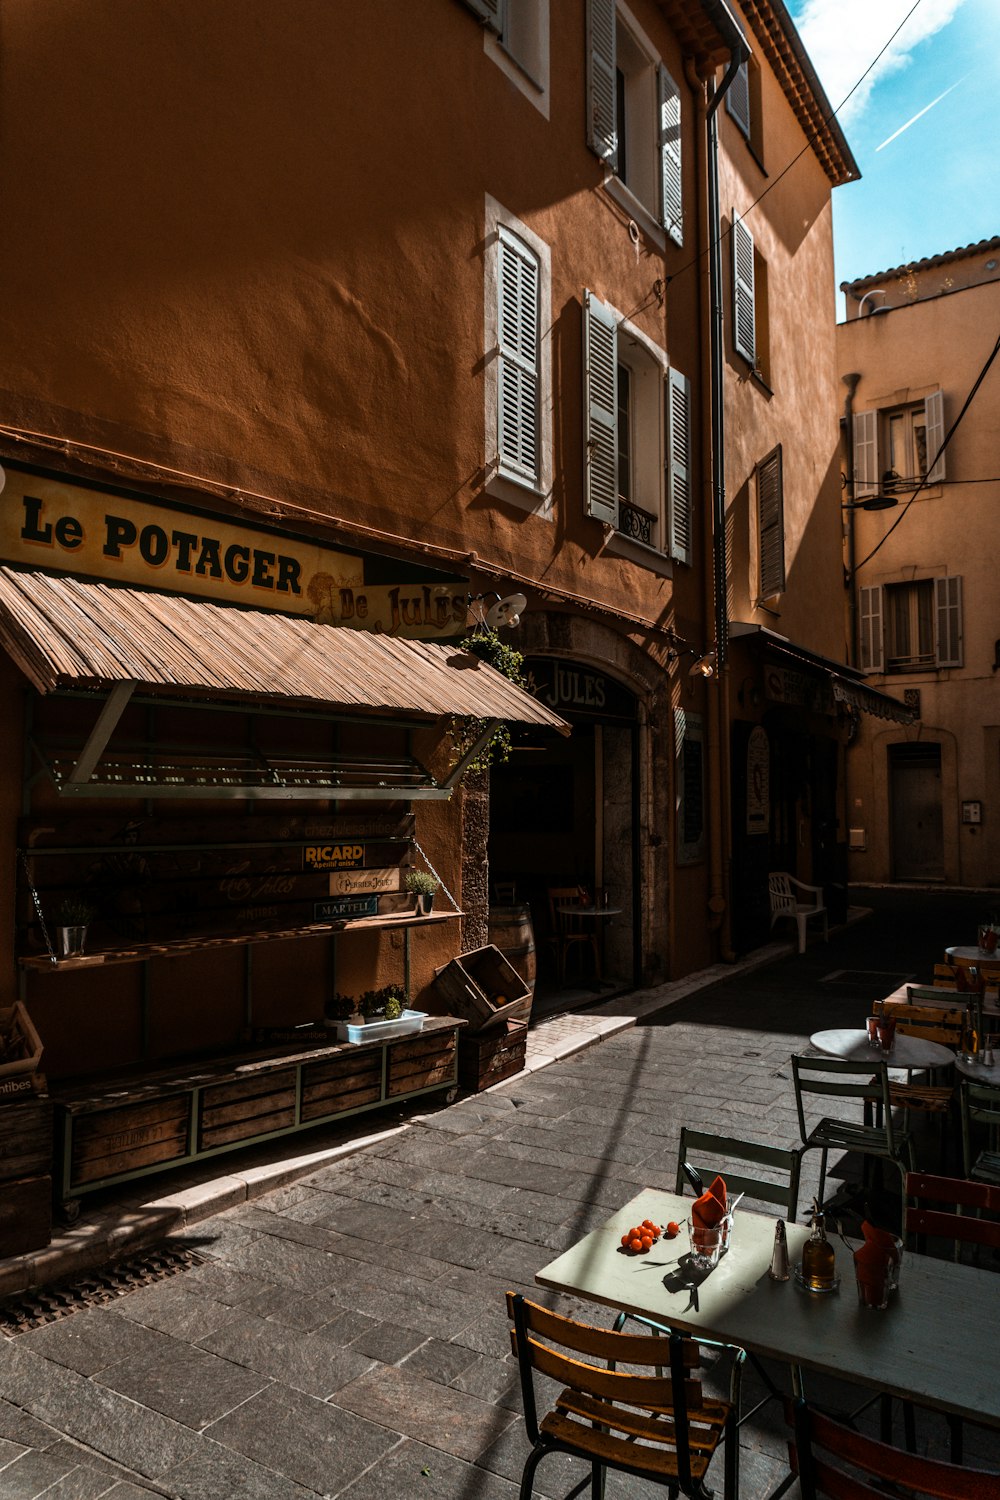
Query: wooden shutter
871,653
948,603
518,339
678,414
738,99
865,454
490,12
600,405
771,525
743,303
602,135
934,425
672,211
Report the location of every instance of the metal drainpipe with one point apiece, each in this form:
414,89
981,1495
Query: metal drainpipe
713,449
851,381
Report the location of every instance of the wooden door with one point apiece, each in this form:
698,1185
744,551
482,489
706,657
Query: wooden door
917,822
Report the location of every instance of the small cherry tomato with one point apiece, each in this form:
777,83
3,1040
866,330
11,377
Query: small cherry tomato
647,1242
672,1230
635,1244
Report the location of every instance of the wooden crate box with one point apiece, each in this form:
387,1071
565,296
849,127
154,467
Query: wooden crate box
484,987
488,1057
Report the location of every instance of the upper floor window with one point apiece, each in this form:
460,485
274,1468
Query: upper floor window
893,447
770,526
744,105
751,330
518,373
637,435
634,113
517,37
911,627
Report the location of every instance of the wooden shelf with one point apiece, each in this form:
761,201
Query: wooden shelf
140,952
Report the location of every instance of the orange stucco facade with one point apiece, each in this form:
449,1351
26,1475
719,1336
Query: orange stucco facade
252,269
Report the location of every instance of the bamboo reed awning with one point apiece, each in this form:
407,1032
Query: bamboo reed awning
64,633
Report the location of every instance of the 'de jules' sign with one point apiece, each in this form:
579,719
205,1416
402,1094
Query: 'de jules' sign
51,522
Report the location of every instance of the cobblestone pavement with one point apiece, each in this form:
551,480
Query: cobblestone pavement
346,1335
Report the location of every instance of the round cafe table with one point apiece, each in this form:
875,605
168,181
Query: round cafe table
907,1051
977,1073
970,956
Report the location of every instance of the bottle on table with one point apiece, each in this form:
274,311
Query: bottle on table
818,1260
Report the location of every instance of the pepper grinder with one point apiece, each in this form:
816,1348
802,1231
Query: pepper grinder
779,1255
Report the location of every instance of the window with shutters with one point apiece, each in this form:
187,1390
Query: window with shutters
770,527
744,105
634,112
896,447
518,366
751,320
914,626
637,437
517,38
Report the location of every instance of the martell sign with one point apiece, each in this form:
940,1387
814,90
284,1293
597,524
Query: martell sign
53,523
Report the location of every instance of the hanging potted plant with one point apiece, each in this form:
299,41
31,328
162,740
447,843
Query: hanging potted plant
72,920
422,885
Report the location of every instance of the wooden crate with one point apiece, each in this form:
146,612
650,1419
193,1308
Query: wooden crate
343,1083
249,1108
483,987
488,1057
128,1137
25,1215
424,1062
20,1044
25,1138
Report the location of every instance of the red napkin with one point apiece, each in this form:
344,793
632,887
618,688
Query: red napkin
706,1212
873,1259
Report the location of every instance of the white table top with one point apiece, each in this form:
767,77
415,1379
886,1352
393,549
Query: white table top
974,955
932,1343
907,1051
977,1073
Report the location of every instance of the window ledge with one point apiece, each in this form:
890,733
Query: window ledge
638,552
626,199
522,493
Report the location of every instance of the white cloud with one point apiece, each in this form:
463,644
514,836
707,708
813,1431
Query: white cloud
843,37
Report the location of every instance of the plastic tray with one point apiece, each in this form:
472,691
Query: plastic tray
378,1031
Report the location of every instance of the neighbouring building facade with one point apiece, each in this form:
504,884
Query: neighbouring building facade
326,332
922,432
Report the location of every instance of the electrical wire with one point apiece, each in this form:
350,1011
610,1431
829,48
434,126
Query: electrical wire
931,466
810,142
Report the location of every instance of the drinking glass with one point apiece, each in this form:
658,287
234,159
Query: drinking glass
708,1244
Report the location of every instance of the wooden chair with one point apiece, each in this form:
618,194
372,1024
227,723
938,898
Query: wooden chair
980,1105
866,1083
570,933
937,1023
786,903
831,1459
654,1427
945,1223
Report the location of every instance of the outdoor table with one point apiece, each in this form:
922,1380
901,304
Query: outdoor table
907,1052
977,1073
970,957
903,1351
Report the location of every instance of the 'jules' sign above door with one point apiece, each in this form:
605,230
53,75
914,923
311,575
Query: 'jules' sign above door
55,523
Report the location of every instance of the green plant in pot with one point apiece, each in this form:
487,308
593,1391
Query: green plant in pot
73,917
422,884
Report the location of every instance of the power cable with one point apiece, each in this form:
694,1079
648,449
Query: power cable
810,141
931,466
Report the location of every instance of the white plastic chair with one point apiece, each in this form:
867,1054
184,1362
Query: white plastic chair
785,902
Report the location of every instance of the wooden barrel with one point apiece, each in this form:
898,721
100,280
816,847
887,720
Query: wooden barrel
511,931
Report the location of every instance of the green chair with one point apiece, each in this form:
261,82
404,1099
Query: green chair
876,1135
726,1154
980,1104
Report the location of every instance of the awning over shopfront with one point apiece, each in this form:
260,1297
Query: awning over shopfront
846,683
66,635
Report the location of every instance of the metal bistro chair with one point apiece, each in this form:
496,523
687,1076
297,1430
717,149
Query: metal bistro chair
980,1105
710,1155
831,1459
862,1082
569,933
654,1427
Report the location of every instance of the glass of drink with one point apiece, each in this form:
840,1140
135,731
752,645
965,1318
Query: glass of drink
886,1032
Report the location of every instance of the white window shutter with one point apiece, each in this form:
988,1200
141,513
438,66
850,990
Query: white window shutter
600,404
679,518
602,134
771,525
518,351
490,12
871,651
743,294
948,601
738,98
670,156
934,422
865,454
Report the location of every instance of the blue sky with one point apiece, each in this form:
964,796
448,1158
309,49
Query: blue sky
936,186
